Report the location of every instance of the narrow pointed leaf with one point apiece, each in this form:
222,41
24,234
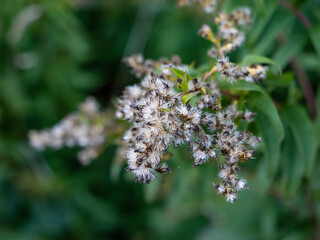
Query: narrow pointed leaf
304,136
187,97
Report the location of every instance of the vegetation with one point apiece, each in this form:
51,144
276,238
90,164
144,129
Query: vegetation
56,53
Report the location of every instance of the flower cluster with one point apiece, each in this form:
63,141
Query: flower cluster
237,147
142,67
161,115
229,37
232,72
160,119
85,128
208,6
170,108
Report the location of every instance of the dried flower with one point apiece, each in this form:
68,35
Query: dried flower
206,32
86,128
161,114
208,6
233,73
141,67
160,118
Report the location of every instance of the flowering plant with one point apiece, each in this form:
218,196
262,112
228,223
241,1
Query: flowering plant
178,104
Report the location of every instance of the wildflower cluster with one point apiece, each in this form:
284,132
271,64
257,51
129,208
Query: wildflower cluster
141,67
229,37
161,118
160,110
232,72
208,6
237,147
85,128
169,107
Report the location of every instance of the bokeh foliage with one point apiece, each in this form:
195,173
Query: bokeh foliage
56,52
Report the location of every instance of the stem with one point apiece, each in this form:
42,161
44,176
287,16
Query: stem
209,73
300,15
303,81
305,85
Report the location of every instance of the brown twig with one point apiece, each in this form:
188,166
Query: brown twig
303,81
300,15
213,69
305,85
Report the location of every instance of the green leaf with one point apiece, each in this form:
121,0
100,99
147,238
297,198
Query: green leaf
292,167
184,84
315,36
179,73
289,49
267,119
310,61
260,5
269,126
317,122
249,59
203,90
184,76
187,97
275,82
239,86
260,22
267,39
304,136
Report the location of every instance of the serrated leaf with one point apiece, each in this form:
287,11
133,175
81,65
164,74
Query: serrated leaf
304,136
187,97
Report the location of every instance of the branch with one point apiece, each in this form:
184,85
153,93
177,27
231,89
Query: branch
305,85
300,15
303,81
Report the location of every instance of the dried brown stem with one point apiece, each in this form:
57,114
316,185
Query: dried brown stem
300,15
303,81
305,85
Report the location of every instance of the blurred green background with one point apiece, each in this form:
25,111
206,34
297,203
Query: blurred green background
54,53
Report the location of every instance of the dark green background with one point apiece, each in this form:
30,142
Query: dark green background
78,46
